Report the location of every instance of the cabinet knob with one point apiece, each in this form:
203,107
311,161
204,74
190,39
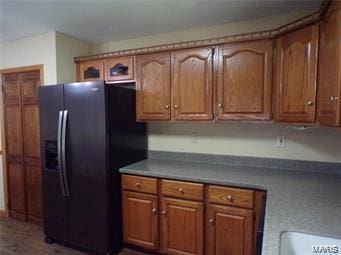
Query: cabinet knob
332,98
220,105
138,184
310,103
167,106
164,213
230,198
154,211
211,221
181,191
176,106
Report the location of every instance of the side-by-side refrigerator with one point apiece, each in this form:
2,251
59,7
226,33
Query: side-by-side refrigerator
88,131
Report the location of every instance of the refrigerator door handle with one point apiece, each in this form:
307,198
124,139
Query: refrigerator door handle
64,172
59,150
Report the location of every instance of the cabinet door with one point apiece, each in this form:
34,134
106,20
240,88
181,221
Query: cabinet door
119,69
296,76
329,87
182,226
140,220
153,86
91,71
13,136
244,81
230,231
192,84
30,82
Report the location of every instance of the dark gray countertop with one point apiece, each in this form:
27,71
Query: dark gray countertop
301,201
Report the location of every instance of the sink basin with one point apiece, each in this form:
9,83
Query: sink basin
294,243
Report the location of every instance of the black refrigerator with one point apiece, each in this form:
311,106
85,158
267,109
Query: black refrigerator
88,131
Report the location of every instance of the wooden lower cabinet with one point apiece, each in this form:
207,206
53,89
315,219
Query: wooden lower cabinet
182,227
229,231
187,225
140,219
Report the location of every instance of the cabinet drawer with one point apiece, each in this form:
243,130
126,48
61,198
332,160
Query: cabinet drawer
231,196
140,184
194,191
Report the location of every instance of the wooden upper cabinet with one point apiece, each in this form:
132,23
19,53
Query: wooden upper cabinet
182,227
140,219
192,84
296,68
329,86
153,87
91,70
119,69
230,231
244,81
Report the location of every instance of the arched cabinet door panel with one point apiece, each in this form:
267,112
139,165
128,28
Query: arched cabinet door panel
244,81
91,71
153,87
329,86
119,69
192,84
296,76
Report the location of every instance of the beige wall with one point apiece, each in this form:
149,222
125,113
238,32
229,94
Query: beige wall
255,25
320,144
67,48
34,50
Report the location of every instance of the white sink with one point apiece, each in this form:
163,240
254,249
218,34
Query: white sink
293,243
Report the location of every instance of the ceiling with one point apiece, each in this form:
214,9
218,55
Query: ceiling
99,21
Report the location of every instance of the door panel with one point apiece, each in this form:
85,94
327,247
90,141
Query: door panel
31,131
182,223
13,130
11,87
140,221
55,205
91,70
296,76
153,86
192,84
16,188
329,88
245,81
230,231
87,165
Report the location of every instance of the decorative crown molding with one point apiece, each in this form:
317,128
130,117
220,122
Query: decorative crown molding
268,34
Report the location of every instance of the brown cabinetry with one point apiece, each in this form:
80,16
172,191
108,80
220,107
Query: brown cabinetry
192,84
21,121
296,79
91,70
244,81
329,86
181,224
153,87
119,69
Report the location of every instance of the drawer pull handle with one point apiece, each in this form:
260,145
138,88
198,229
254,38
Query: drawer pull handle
229,198
211,221
138,184
164,213
181,191
154,211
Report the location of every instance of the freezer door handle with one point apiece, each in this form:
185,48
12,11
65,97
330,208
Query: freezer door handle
59,151
64,167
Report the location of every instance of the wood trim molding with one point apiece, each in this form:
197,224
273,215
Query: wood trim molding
267,34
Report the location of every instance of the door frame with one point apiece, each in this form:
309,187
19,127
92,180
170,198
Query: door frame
3,152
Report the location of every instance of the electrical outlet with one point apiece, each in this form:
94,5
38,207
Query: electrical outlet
195,138
281,141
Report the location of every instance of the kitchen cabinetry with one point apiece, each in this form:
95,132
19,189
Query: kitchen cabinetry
192,84
91,70
119,69
296,79
21,121
329,86
230,224
153,87
244,81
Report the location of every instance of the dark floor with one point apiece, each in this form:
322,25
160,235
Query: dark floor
18,237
